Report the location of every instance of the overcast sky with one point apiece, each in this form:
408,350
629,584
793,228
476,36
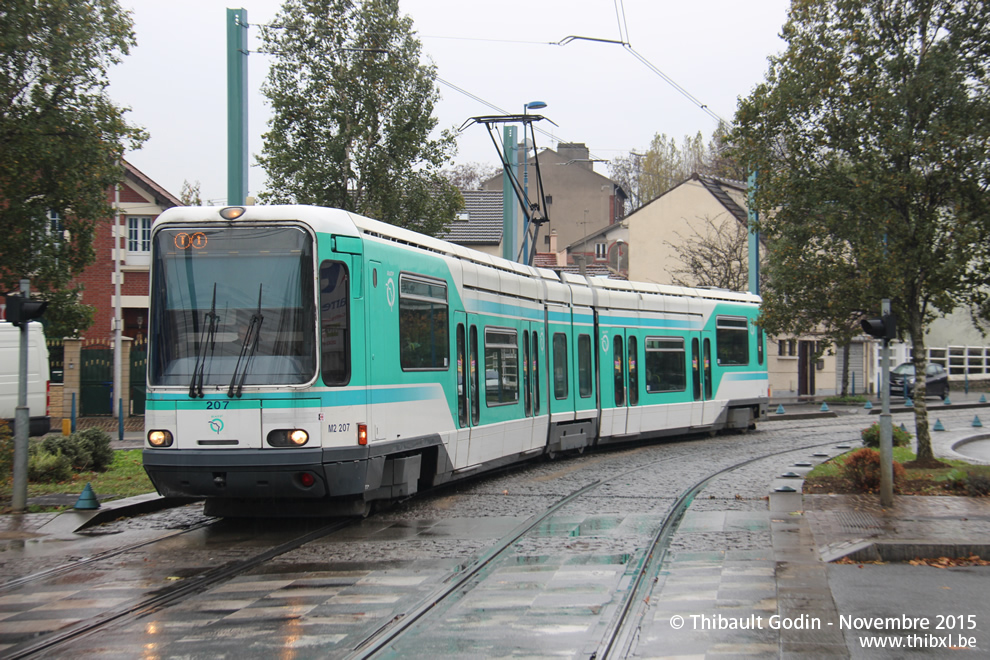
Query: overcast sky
598,93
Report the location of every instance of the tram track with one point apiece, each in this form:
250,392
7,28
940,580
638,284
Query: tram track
621,631
162,598
78,564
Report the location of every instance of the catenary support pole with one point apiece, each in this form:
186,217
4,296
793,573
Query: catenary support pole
237,107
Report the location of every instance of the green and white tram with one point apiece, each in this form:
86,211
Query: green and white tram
306,360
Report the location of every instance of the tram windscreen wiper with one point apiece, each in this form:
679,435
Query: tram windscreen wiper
209,334
248,349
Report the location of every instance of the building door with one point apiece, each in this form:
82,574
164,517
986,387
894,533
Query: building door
806,368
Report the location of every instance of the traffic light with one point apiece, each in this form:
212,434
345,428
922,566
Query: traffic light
21,310
881,328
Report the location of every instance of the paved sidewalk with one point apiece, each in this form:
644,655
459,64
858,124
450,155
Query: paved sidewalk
789,600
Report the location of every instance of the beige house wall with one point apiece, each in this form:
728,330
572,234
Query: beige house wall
671,219
582,199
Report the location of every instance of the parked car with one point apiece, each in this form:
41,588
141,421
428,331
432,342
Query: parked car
902,380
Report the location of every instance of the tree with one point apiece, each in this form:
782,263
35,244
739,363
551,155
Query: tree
61,142
719,257
872,132
190,195
470,176
352,113
664,165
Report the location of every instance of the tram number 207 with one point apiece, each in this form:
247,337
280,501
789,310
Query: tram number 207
339,428
217,405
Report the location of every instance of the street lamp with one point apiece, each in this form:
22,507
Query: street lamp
532,105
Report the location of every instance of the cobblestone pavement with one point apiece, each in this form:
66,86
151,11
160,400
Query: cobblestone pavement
746,574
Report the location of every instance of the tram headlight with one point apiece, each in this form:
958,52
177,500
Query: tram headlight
288,437
160,438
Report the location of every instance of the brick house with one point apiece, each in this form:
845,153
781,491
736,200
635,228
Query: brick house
140,200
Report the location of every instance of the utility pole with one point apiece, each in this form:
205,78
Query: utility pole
509,146
21,310
754,237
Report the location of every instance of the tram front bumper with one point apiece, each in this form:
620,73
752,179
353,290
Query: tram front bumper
268,473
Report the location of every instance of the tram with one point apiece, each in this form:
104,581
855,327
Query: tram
309,361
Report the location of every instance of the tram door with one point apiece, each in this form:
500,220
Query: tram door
466,371
383,287
534,395
615,382
701,376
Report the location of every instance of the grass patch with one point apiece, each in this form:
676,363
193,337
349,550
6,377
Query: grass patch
828,478
125,478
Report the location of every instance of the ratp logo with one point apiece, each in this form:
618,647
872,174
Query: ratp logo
216,425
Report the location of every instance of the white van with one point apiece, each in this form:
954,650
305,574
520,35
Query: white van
38,379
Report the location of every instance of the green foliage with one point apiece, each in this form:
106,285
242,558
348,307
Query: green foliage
352,114
97,443
848,398
88,449
6,455
978,484
62,138
871,436
954,478
974,481
45,467
190,194
862,468
871,137
664,165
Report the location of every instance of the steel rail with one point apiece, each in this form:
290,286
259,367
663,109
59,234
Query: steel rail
618,632
85,561
166,597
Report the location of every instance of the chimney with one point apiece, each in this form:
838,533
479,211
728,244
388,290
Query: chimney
553,241
576,151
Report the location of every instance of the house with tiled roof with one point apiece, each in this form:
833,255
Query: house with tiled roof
479,224
139,200
578,201
642,247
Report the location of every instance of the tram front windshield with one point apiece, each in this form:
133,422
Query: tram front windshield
232,307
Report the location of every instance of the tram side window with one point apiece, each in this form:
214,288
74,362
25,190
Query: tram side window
732,340
560,365
585,370
501,366
335,331
666,364
424,342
